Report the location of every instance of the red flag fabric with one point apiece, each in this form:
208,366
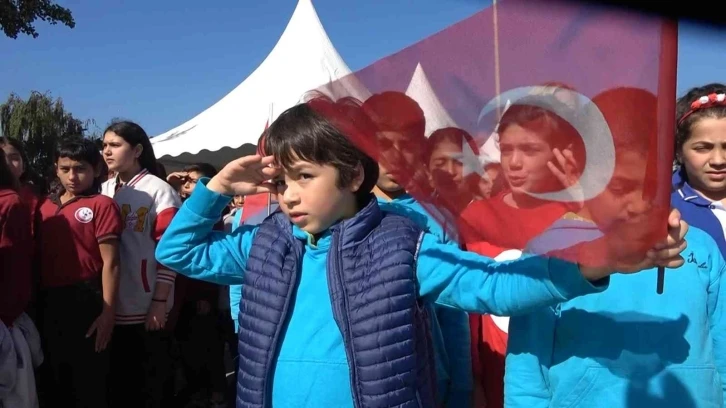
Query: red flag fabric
254,205
257,203
578,164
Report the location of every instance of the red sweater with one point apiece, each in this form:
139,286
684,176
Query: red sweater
503,227
31,199
16,245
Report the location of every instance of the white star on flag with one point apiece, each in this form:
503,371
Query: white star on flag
470,162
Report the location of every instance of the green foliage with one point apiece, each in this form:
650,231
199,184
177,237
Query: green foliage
41,122
19,16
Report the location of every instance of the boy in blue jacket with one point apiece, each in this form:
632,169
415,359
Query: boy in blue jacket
627,346
333,288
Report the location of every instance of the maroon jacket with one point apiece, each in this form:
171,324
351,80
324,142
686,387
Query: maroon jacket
16,246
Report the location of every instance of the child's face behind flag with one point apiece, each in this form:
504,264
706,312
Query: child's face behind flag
524,161
623,211
402,152
75,176
627,208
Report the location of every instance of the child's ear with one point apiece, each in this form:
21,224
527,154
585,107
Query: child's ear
97,171
358,179
138,150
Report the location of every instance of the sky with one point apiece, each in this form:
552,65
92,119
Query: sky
162,62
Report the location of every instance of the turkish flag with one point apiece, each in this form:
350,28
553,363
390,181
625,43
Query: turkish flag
582,153
532,126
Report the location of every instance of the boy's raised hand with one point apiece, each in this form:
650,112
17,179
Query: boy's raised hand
245,176
666,253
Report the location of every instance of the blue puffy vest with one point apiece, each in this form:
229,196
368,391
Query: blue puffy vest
372,253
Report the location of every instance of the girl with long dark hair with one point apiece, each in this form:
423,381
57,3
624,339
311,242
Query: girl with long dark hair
147,203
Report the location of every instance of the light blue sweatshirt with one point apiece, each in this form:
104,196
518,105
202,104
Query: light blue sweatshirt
235,291
449,327
628,346
311,369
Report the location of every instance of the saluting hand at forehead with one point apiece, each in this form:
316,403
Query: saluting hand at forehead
246,176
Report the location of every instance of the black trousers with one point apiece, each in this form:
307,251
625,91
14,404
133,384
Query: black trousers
140,366
202,349
75,375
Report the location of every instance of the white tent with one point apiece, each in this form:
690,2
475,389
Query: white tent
421,91
302,60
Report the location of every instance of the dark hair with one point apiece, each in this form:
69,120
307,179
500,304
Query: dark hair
324,132
7,180
205,169
27,176
103,171
135,135
683,105
161,171
632,116
454,135
530,113
397,112
80,150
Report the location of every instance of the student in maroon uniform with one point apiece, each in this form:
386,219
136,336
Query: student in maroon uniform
17,161
15,247
79,238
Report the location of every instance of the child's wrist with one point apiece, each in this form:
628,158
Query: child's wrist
216,186
594,274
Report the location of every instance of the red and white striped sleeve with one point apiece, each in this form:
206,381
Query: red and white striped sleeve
167,203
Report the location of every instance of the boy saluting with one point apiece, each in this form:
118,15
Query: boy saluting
333,288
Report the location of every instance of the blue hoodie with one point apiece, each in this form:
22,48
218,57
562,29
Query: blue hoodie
311,369
449,327
628,346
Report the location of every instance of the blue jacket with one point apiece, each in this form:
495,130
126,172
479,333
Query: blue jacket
235,291
628,346
449,327
311,367
372,292
697,210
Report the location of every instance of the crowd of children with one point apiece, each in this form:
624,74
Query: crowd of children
150,290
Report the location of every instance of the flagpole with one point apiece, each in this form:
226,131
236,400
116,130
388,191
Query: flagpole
497,83
666,113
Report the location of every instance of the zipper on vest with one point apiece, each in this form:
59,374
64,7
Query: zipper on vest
335,253
267,394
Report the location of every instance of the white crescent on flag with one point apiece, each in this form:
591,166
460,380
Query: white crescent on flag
596,137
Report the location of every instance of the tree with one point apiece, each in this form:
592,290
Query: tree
18,16
41,122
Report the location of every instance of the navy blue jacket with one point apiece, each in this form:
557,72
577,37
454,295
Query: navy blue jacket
371,273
